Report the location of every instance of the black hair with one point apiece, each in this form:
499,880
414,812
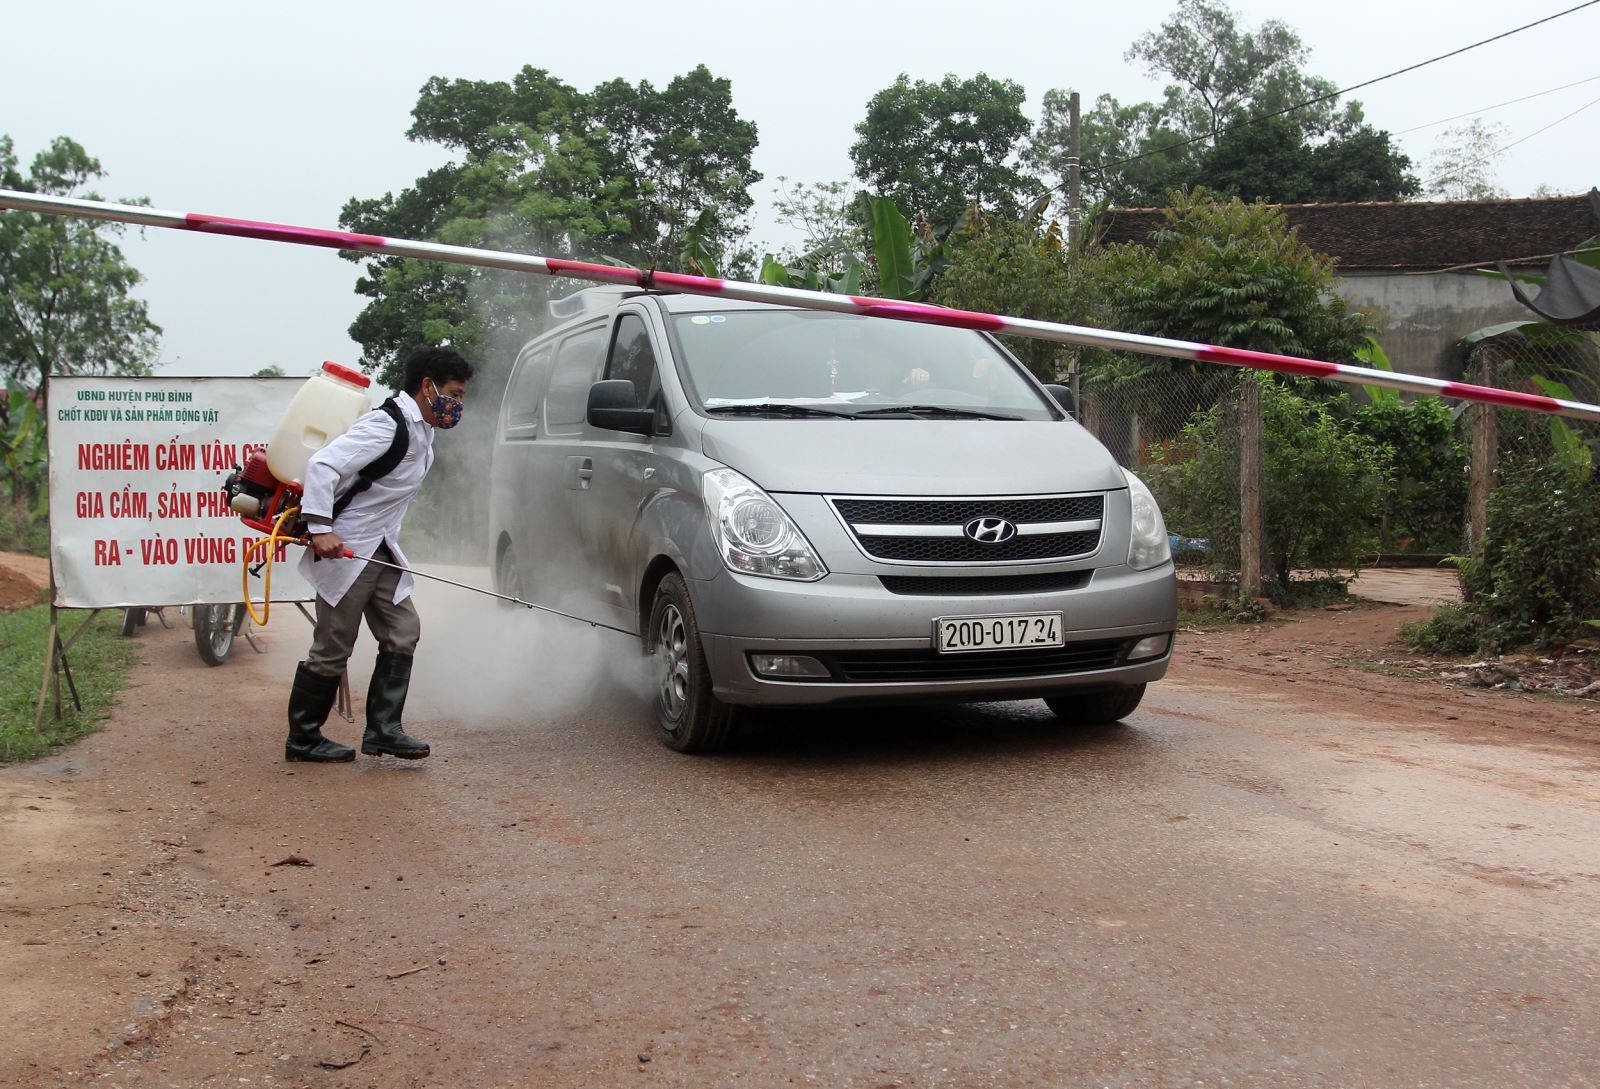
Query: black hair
440,364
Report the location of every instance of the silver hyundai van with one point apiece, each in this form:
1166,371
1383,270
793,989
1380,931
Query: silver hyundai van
793,507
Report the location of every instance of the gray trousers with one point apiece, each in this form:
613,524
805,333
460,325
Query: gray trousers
396,627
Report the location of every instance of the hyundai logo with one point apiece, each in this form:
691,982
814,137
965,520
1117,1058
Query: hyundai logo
989,530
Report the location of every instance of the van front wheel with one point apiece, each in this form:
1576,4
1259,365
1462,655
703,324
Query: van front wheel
1093,708
690,716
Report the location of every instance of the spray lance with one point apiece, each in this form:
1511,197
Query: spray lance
1058,332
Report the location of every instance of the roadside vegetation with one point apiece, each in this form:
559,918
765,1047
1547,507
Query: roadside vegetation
1534,581
99,662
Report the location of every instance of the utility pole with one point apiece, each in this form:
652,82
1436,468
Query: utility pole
1074,193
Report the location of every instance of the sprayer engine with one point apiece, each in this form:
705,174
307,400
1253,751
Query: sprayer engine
260,499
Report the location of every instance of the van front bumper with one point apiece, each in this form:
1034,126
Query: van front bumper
879,647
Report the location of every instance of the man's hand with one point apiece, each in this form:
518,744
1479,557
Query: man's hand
327,545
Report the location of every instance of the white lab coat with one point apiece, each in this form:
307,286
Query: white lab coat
373,517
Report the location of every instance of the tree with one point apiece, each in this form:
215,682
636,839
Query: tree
1461,166
1359,162
1132,155
68,307
628,172
935,149
1231,273
1265,161
832,220
1230,118
1222,73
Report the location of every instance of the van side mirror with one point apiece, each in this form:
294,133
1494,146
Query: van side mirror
1064,398
614,406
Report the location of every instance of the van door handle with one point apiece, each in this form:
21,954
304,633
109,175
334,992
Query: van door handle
580,473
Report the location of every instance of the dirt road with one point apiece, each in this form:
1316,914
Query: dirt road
1279,871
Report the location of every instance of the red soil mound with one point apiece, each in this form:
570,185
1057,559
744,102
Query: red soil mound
23,580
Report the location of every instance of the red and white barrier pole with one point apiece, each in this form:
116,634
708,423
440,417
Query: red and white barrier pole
789,296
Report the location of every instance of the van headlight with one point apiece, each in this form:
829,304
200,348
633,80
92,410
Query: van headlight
754,535
1148,545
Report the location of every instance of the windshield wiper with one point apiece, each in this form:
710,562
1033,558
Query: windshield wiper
774,409
935,410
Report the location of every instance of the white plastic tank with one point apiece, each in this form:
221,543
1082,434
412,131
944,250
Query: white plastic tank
324,408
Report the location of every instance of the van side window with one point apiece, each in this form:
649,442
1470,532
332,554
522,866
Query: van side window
522,400
567,397
633,358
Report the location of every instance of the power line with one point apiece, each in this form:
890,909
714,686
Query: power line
1335,94
1496,106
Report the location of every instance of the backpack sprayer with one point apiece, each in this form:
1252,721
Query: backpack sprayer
266,490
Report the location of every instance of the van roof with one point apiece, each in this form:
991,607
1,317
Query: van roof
688,304
604,298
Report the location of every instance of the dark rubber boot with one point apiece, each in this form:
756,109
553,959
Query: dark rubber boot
386,703
309,703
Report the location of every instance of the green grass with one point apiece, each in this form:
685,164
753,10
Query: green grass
99,663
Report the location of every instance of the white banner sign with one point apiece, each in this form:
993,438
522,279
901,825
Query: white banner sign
137,514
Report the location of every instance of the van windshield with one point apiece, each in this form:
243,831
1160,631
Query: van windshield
848,364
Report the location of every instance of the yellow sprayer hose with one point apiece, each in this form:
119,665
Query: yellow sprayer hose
244,571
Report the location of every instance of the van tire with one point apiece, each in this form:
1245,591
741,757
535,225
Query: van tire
1094,708
689,716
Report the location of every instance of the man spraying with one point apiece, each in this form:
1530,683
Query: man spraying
357,490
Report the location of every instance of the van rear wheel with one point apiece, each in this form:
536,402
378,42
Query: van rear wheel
1093,708
690,717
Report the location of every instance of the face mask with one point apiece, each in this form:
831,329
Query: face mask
446,410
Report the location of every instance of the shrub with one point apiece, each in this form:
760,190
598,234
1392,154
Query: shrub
1452,629
1533,579
1425,472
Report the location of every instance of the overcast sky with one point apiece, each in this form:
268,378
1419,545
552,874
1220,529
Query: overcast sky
285,117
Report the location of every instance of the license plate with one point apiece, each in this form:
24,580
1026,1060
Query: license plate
956,634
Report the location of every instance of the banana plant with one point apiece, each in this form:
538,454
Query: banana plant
1571,450
1375,357
22,449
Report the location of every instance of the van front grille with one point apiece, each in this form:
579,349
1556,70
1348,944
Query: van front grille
974,531
1044,546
